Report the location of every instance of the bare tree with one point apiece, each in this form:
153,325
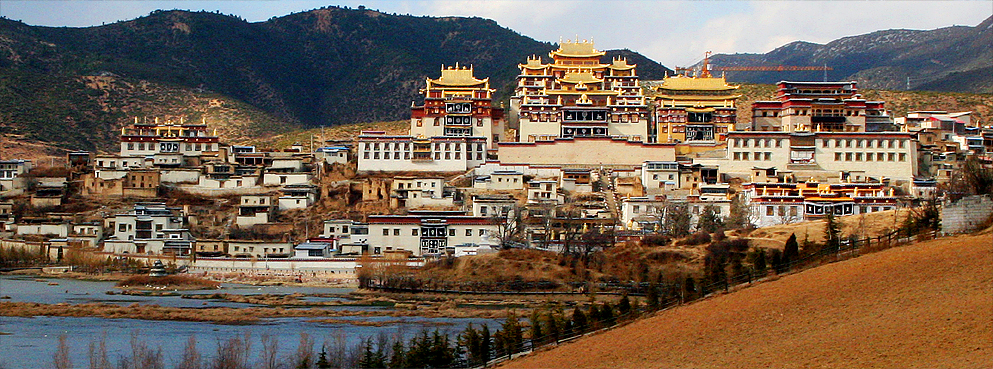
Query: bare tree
304,356
233,353
60,359
191,356
270,348
142,356
98,354
510,226
570,228
338,349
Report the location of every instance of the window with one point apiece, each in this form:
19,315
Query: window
635,209
770,211
396,231
837,156
891,157
903,156
413,232
386,231
768,156
468,232
451,232
901,143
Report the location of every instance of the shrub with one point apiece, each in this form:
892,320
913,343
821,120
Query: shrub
698,238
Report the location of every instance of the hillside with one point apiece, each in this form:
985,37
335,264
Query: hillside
956,58
927,305
323,67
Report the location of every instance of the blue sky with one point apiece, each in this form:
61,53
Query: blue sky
675,33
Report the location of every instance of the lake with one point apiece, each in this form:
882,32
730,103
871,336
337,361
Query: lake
31,342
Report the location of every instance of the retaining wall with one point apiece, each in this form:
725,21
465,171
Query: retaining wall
966,214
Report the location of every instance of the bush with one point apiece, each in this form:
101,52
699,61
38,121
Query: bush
656,240
698,238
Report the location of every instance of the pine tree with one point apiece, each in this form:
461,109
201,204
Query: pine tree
607,313
624,306
596,321
484,346
678,220
791,251
710,221
553,326
579,321
368,359
398,357
513,335
758,261
322,360
470,340
536,332
832,232
652,297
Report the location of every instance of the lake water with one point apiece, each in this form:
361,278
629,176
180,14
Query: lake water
30,342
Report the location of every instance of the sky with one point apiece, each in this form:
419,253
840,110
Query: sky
674,33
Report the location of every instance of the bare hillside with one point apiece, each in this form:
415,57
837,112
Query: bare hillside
928,305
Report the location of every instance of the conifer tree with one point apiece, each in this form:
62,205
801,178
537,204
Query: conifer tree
832,232
791,251
607,313
579,321
624,306
484,346
397,357
536,332
322,360
652,297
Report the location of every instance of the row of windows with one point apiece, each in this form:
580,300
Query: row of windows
438,146
871,143
151,146
879,156
760,142
753,156
782,210
416,231
406,155
652,209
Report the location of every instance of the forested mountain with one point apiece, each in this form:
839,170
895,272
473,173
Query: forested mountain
958,59
77,86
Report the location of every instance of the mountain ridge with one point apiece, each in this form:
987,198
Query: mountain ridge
326,66
947,59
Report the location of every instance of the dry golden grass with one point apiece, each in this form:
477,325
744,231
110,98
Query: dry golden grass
926,305
867,225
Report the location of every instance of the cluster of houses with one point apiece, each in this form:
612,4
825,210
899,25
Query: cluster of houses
585,147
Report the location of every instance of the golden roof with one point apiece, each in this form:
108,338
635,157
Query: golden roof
621,64
695,83
455,76
533,63
576,49
580,77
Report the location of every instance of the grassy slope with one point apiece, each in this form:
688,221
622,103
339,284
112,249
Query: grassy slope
924,305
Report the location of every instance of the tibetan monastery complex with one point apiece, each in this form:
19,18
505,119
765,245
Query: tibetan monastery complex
581,133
